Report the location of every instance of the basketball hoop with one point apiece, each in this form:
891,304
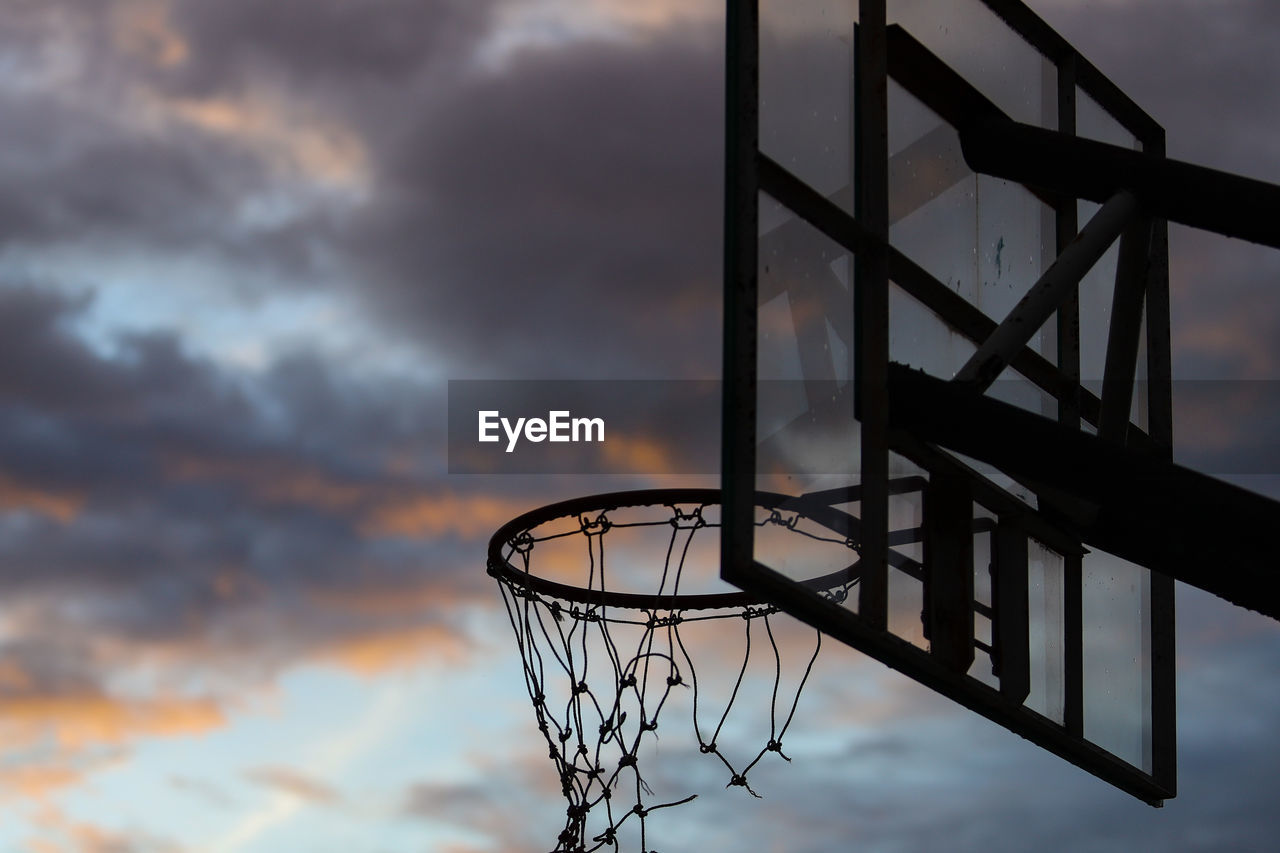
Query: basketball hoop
603,654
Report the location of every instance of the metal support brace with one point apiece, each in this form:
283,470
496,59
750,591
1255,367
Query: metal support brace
1126,328
1054,287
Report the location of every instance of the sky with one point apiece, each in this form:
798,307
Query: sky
243,248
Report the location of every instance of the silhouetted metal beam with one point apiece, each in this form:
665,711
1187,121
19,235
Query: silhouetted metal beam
1054,287
1168,518
1169,189
1132,269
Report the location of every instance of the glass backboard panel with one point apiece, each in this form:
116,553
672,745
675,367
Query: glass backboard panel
989,595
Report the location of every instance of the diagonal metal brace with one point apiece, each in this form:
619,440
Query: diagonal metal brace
1054,287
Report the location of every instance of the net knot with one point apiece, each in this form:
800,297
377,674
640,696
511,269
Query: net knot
682,520
740,779
594,526
776,517
522,543
707,748
580,688
673,680
656,621
628,681
837,596
627,760
650,726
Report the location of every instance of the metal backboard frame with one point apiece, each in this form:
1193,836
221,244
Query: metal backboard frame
1004,523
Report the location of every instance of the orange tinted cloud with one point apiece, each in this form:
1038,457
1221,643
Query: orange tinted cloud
20,496
375,653
428,515
378,508
320,150
38,781
87,718
144,29
65,834
294,783
637,453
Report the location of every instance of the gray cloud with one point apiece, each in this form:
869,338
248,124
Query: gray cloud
151,500
571,197
317,45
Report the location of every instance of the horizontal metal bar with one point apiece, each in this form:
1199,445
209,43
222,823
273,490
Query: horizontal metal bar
853,493
1057,163
1168,518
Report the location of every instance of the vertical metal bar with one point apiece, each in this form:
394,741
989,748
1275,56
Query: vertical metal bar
948,566
872,273
1067,226
1164,725
1012,612
1069,416
1164,735
1073,644
738,416
1159,347
1132,269
1049,109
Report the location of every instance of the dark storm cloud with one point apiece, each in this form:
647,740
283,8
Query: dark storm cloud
152,499
319,44
102,178
561,216
518,207
87,179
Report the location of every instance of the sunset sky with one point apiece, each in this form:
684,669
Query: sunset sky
243,247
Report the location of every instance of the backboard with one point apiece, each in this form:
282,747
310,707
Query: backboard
868,263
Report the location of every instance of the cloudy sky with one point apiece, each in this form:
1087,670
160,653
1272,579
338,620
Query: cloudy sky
244,245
